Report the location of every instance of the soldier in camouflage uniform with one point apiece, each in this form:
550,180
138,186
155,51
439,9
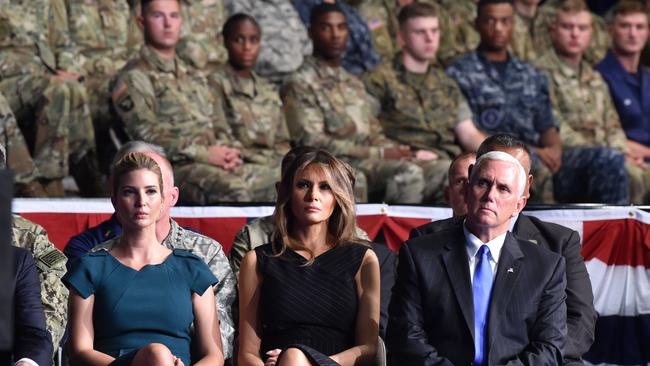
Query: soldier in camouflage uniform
49,103
360,55
159,100
51,268
379,16
581,97
17,154
284,37
507,95
326,107
457,25
531,33
98,32
201,45
251,104
420,105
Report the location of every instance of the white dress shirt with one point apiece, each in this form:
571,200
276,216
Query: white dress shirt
473,244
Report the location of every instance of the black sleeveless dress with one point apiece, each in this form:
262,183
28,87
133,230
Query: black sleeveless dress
310,307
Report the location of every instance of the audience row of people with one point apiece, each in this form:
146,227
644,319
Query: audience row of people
226,127
306,297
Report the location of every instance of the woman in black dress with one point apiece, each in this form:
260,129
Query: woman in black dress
311,297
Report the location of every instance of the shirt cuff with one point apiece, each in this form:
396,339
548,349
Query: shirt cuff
28,360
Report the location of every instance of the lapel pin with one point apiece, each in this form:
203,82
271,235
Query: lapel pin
510,270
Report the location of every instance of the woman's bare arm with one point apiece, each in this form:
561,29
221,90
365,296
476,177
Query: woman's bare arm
206,326
82,332
250,282
367,327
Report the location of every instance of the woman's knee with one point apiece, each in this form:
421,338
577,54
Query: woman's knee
153,354
293,356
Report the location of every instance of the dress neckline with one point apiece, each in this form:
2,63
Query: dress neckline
295,253
143,267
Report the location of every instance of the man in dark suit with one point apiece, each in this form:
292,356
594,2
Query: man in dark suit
581,315
32,344
475,294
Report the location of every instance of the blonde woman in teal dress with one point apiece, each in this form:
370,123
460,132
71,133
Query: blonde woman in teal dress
135,304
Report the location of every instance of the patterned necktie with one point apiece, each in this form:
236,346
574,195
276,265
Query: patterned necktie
482,286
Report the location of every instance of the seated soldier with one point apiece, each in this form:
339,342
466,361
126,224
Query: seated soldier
508,95
159,100
19,160
50,265
629,82
531,38
580,96
421,106
251,104
49,101
360,55
200,45
284,37
327,107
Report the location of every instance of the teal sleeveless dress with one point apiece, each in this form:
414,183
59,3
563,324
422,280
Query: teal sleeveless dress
134,308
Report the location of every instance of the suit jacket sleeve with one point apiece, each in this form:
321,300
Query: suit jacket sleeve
549,332
581,315
32,340
407,339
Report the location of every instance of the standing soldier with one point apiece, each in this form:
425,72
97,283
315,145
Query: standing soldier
579,94
420,105
327,107
49,103
159,100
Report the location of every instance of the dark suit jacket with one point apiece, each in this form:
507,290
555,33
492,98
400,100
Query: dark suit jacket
432,316
31,338
387,274
581,315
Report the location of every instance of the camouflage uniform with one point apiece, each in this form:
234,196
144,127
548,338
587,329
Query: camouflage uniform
253,109
360,55
421,110
532,35
201,43
160,101
379,16
518,103
17,154
99,33
51,268
327,107
284,41
457,33
582,102
53,114
259,232
211,252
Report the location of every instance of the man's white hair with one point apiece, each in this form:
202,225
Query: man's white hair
502,156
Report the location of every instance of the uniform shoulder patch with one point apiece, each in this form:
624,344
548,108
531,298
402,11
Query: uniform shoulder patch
52,258
119,91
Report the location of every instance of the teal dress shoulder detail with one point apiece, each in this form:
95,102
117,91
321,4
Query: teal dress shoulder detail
134,308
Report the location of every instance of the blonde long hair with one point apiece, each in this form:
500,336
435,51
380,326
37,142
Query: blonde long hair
340,177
